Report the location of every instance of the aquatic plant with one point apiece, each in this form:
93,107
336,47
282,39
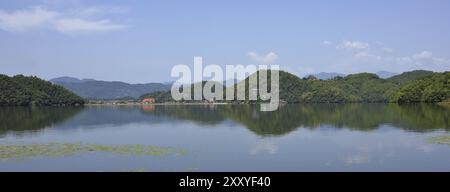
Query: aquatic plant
442,139
14,151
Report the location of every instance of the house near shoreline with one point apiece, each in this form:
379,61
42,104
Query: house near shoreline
148,101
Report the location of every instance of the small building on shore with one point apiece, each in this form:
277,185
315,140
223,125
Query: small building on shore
148,101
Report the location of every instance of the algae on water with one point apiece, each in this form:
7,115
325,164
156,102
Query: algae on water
442,139
11,151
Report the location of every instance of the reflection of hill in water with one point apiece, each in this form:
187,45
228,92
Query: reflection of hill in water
19,120
203,114
109,115
362,117
93,117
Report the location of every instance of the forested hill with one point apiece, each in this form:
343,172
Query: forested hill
431,89
355,88
413,86
410,76
26,91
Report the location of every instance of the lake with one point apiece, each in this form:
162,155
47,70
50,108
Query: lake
308,137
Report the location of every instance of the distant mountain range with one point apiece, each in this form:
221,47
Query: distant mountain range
327,76
70,80
94,89
412,86
385,74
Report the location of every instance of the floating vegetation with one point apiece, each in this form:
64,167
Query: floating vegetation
137,170
445,103
11,151
442,139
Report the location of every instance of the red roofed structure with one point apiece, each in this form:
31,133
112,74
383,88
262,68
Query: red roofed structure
148,100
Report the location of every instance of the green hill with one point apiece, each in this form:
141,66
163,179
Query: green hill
25,91
354,88
409,76
431,89
362,87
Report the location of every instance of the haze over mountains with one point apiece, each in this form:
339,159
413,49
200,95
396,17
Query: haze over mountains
70,80
95,89
385,74
327,76
412,86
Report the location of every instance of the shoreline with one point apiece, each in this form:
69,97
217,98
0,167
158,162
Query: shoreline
150,104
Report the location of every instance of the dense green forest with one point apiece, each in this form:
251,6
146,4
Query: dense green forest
414,86
431,89
27,91
410,76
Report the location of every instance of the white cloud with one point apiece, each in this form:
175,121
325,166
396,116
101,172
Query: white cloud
423,55
361,56
71,26
89,11
424,58
416,58
404,60
366,55
265,59
326,43
360,50
26,19
353,45
66,21
387,50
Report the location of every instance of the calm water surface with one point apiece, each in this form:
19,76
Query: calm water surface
316,137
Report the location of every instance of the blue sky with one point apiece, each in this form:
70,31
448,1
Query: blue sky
140,41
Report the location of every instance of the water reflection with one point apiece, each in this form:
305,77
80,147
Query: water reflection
361,117
23,120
